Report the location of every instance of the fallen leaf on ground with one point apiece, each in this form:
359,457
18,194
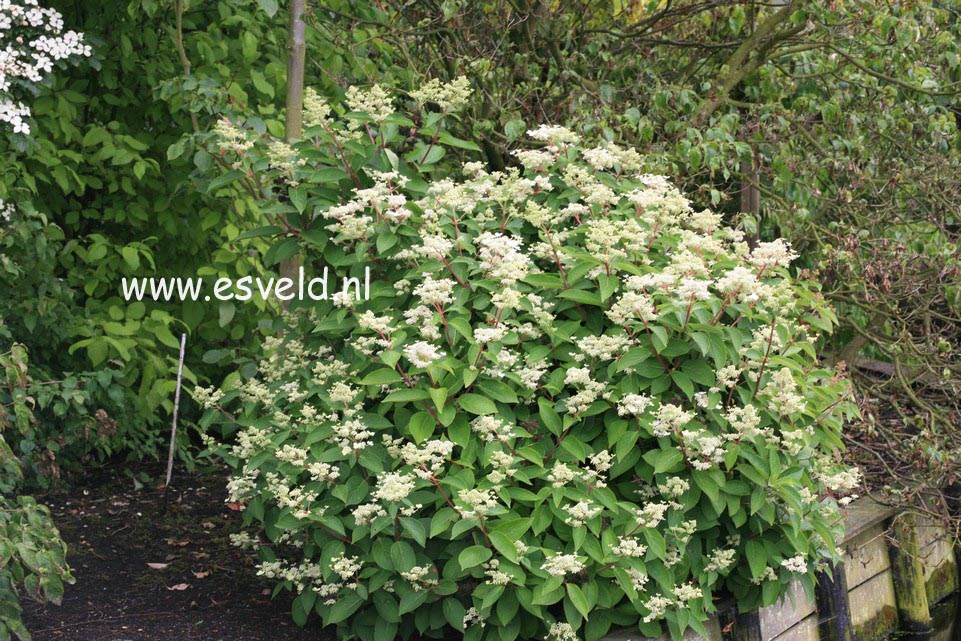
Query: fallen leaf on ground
201,575
179,586
157,566
177,544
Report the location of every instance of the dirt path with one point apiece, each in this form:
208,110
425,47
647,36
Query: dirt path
197,587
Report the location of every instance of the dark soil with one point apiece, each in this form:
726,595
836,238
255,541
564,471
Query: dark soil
200,588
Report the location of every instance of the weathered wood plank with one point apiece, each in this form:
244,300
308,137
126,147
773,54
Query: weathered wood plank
805,630
873,607
863,514
866,555
930,530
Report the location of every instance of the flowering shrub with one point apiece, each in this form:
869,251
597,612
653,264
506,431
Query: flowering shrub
33,41
572,402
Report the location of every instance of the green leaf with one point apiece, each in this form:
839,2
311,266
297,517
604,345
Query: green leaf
656,543
298,197
383,376
699,371
266,230
581,296
667,460
451,141
513,528
346,606
412,600
94,136
498,390
224,179
421,426
454,612
227,311
385,241
402,555
659,338
756,557
576,595
683,381
504,544
514,129
407,395
260,83
415,528
634,357
269,7
608,285
131,256
281,251
473,556
550,418
439,396
477,404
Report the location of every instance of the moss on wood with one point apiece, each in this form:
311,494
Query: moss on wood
942,582
878,627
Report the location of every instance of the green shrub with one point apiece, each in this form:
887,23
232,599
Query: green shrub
79,413
572,402
32,556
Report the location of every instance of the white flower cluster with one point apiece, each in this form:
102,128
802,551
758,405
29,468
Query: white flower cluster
316,109
31,41
375,102
448,96
720,560
420,578
492,428
795,564
580,513
561,632
628,547
479,502
474,617
394,487
422,354
207,397
562,565
633,405
657,607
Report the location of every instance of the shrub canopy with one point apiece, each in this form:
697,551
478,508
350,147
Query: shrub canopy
569,395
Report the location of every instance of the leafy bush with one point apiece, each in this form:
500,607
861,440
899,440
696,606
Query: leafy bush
76,413
569,395
32,556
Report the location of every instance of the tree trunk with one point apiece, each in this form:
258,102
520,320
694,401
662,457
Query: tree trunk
294,119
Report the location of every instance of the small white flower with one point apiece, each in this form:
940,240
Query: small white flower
422,354
562,565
